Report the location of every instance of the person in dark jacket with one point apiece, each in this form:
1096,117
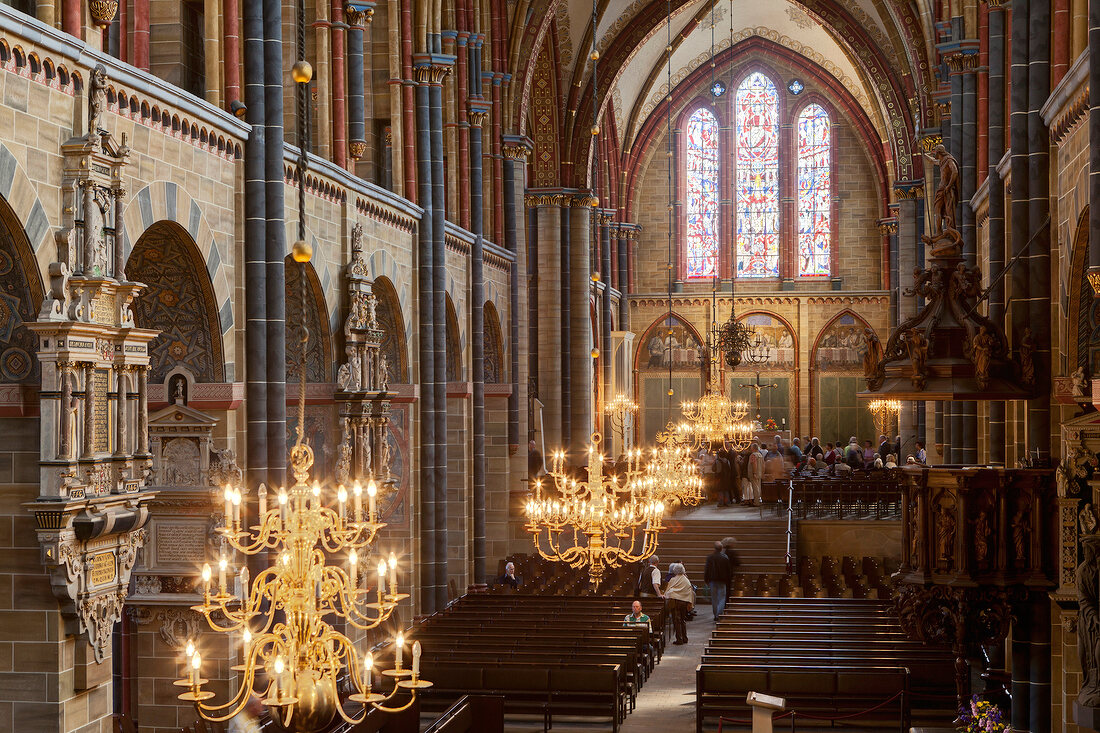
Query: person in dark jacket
728,546
729,478
717,575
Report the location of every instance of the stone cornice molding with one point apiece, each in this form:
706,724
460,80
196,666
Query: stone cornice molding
1068,103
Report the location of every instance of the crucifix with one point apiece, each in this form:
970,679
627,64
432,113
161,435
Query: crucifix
756,387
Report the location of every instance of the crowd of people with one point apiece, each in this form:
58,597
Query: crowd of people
733,476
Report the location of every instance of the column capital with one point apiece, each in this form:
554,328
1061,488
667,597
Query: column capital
929,139
432,68
960,56
909,190
544,198
888,226
359,13
584,200
995,4
477,111
516,147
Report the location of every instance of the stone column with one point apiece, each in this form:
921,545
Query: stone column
120,412
142,448
426,328
89,411
565,304
1094,144
515,151
996,223
909,256
604,218
1038,265
357,133
478,114
1017,226
547,210
580,343
624,286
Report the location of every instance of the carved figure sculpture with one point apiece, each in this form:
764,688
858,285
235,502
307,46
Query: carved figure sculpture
97,101
947,193
917,347
1080,382
981,353
1086,519
1027,357
945,532
872,353
1088,623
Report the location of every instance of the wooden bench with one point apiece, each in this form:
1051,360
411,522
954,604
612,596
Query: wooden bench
825,691
471,714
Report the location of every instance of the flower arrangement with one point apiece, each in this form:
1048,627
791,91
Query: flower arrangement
770,424
981,716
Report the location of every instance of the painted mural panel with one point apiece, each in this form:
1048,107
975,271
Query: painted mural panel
681,349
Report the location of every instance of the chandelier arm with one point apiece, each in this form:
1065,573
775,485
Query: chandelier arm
240,699
265,538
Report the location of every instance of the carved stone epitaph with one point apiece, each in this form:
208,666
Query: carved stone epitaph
94,451
362,380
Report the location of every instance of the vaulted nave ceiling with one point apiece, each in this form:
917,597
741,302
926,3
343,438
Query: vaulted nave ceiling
877,50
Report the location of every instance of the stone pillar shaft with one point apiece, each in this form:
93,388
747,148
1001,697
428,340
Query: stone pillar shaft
995,225
1038,265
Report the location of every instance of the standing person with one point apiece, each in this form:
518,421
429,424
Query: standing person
728,545
729,477
717,576
922,454
682,599
815,449
897,446
831,454
884,447
868,454
649,580
756,475
853,454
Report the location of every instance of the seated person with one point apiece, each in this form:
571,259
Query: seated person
636,617
509,577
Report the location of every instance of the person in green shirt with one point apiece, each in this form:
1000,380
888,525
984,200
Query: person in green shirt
636,617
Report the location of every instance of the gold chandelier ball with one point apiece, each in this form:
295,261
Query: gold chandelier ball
595,130
595,55
316,704
594,201
595,277
301,72
302,251
595,353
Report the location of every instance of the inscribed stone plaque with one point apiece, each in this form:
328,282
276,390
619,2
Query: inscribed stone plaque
101,569
180,543
102,411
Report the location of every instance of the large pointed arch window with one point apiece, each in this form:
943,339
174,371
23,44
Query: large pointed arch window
815,220
756,164
701,174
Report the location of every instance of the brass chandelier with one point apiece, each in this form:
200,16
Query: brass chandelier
622,413
603,522
292,656
671,474
884,412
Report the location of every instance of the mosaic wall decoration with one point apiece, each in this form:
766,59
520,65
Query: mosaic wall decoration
454,349
682,349
777,340
178,301
393,326
814,192
701,158
841,345
17,345
494,347
318,362
756,157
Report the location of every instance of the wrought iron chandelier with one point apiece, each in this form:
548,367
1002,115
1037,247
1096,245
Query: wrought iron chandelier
884,412
603,522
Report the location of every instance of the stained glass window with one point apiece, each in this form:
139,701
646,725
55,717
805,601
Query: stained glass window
814,184
701,209
756,158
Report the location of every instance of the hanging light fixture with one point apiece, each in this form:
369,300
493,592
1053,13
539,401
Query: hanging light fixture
622,412
598,523
884,412
292,656
671,474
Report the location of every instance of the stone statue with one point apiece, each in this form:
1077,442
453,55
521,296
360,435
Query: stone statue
872,354
981,353
1086,519
917,347
1080,381
947,193
945,238
97,102
1027,357
1088,623
343,378
383,381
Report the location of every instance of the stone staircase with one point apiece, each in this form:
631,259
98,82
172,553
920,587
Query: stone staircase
761,543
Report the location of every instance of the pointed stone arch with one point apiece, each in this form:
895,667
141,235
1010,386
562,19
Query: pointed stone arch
394,341
20,298
454,344
494,346
179,301
314,314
